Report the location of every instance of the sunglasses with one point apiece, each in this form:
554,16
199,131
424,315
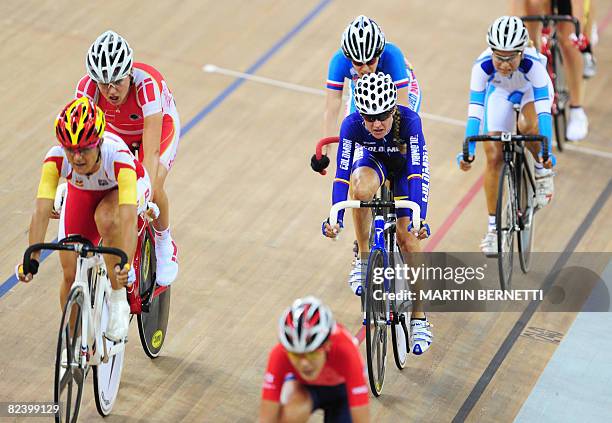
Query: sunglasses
369,62
310,356
380,117
505,59
114,84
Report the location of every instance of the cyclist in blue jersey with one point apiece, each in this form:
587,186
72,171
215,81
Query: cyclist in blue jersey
509,72
364,50
386,142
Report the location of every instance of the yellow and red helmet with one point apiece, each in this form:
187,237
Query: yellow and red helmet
80,124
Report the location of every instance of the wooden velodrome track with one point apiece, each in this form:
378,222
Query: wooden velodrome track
247,209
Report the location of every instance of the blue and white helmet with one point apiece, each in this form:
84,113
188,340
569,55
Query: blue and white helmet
508,33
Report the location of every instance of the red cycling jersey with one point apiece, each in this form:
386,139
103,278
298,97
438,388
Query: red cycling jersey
148,95
344,365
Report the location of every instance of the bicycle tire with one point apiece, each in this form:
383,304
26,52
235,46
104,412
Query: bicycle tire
399,330
376,326
561,97
505,226
107,376
526,205
70,373
153,322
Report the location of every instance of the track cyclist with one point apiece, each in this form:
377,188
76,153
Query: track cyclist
316,365
509,72
391,146
364,50
107,187
140,108
573,60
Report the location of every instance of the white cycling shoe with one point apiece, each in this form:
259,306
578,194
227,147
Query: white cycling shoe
166,254
545,187
577,125
488,245
119,316
356,277
420,336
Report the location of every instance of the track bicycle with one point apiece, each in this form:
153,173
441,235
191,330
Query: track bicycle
516,199
82,345
381,312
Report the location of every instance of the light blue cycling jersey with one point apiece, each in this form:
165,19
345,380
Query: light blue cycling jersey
530,82
391,62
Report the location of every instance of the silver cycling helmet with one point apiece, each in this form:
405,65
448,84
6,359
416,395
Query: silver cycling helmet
109,58
362,40
305,326
508,33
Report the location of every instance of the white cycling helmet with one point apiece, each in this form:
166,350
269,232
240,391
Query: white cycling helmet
508,33
305,326
362,40
109,58
375,93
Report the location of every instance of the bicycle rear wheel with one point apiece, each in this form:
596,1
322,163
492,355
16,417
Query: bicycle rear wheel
69,373
376,323
504,217
107,376
153,319
527,203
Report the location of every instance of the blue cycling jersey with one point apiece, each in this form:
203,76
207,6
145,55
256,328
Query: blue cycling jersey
410,170
391,62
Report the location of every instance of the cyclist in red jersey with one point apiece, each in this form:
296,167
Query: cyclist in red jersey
140,108
317,365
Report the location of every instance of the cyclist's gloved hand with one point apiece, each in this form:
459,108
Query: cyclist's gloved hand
330,232
34,264
423,233
464,165
552,160
319,165
123,275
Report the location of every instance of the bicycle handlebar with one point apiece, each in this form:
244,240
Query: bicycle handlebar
505,137
545,19
356,204
83,246
319,148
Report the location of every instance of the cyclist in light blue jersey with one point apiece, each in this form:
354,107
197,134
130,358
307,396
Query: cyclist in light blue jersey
509,72
364,50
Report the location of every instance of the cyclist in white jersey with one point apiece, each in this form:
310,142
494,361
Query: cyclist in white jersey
509,72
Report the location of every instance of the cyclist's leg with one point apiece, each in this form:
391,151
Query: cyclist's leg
366,177
298,405
76,217
536,7
499,117
166,250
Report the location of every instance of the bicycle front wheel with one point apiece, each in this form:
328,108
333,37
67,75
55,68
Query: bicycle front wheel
376,323
504,217
107,376
69,372
527,203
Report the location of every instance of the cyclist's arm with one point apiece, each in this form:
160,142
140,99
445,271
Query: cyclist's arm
344,161
269,411
336,73
539,78
481,71
151,139
396,65
126,179
49,179
418,169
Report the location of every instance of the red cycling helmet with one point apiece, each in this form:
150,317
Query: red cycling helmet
80,124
